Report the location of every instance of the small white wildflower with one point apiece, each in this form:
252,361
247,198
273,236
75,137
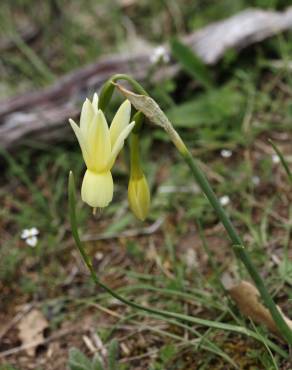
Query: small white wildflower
30,236
99,256
25,234
160,54
32,241
164,189
275,158
226,153
224,200
255,180
191,259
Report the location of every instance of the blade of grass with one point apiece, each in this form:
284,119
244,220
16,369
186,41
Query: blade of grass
20,172
283,160
204,343
191,63
210,258
267,347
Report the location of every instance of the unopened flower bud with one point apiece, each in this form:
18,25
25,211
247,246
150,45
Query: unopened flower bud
139,196
138,190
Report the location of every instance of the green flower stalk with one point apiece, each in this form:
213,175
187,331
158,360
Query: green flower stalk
108,89
282,160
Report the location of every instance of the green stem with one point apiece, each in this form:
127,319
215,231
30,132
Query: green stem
139,89
138,118
108,89
157,312
136,171
238,247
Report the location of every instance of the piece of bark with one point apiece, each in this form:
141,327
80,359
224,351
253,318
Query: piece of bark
78,82
31,329
42,124
247,299
20,116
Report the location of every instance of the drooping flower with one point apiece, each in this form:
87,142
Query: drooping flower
100,146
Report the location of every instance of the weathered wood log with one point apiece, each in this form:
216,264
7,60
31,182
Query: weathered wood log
245,28
41,114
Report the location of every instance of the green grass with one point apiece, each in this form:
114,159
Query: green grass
249,102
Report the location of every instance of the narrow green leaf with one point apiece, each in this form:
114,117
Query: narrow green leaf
113,354
213,108
283,160
191,63
97,363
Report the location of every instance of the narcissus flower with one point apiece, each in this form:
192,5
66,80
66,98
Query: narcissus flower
100,146
139,196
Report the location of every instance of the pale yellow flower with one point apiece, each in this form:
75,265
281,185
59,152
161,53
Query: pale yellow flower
100,146
139,196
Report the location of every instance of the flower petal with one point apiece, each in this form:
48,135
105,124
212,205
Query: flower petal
120,121
99,143
86,116
95,103
34,231
97,188
25,234
120,142
82,142
32,241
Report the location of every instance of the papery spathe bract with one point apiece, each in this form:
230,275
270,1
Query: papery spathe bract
100,146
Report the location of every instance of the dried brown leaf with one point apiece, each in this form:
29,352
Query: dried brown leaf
247,298
31,329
